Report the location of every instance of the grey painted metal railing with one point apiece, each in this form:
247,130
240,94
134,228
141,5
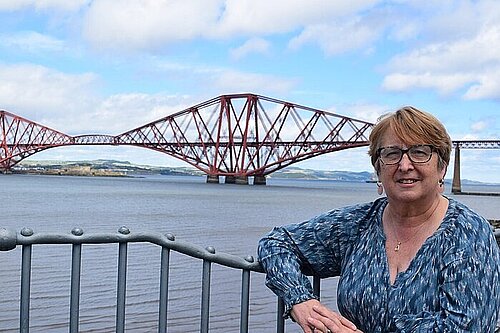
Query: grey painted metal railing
26,238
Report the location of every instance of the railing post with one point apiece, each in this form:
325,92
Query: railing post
164,275
74,310
280,319
24,325
456,185
205,292
317,286
245,300
122,283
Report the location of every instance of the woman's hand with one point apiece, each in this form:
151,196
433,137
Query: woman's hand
314,317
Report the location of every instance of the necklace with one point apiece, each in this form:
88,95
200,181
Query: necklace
415,233
399,243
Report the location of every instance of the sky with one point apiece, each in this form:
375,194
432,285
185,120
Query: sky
108,66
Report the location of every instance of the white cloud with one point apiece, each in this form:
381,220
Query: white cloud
479,126
31,90
148,25
443,83
214,80
242,82
470,66
366,112
65,5
68,102
338,37
32,41
122,112
141,24
253,45
256,17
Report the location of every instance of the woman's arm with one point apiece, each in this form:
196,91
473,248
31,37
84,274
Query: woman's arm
289,251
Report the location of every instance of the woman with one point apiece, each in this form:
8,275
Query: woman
413,261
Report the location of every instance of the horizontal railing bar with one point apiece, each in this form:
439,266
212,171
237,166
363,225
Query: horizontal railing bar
164,240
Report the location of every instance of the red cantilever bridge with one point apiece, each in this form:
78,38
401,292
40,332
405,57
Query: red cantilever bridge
236,136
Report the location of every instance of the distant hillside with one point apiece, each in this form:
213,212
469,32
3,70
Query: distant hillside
116,168
295,172
100,168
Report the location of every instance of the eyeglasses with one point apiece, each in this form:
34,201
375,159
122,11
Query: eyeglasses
416,154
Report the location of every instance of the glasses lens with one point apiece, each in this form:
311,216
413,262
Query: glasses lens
417,154
420,154
390,155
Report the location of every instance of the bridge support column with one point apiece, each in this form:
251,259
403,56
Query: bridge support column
456,186
242,180
259,180
212,179
230,180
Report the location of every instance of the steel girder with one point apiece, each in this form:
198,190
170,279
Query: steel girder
248,135
21,138
230,135
480,144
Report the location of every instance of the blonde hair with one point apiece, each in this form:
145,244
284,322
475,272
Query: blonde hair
412,126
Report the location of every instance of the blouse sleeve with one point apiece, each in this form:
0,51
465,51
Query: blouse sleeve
315,247
469,296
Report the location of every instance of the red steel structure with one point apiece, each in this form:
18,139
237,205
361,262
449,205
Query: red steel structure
243,135
21,138
236,136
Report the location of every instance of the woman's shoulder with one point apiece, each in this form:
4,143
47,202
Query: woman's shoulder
360,215
465,219
466,229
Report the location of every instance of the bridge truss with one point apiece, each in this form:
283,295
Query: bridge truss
248,135
477,144
21,138
236,136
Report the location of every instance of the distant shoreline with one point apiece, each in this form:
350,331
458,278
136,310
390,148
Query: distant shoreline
115,168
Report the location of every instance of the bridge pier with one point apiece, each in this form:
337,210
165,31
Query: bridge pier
259,180
242,180
230,180
456,185
212,179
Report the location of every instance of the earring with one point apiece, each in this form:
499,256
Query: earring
380,188
441,185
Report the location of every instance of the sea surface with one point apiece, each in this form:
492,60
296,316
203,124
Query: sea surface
231,218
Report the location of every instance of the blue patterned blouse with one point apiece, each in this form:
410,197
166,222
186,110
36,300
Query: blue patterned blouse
452,284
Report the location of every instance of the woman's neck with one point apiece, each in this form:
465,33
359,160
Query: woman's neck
413,215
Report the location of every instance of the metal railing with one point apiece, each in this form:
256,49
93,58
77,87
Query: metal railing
9,240
26,238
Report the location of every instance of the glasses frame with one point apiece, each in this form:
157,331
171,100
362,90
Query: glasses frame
405,151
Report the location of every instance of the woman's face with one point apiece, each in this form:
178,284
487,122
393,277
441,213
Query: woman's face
408,182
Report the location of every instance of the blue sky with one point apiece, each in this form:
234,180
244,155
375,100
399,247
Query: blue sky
107,66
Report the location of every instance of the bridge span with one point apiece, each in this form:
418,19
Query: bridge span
456,186
232,136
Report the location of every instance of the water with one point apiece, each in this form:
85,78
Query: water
229,217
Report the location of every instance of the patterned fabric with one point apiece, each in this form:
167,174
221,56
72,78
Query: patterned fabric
452,284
